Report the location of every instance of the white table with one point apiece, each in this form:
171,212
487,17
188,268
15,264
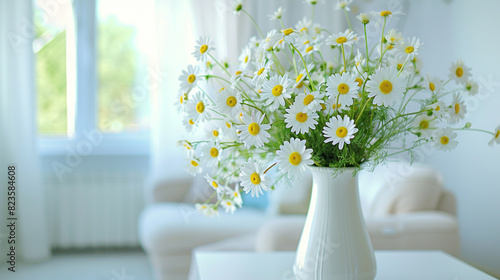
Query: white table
391,265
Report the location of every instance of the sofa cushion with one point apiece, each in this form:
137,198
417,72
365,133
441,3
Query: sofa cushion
408,189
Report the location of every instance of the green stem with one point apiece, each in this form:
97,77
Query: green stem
363,109
255,23
382,39
220,65
347,17
305,66
366,45
343,56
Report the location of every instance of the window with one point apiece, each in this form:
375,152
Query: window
93,73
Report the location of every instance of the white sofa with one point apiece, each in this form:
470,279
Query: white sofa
404,208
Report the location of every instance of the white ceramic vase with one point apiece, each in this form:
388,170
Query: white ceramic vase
334,244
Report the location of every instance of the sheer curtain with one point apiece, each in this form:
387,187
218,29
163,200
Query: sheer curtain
18,133
179,25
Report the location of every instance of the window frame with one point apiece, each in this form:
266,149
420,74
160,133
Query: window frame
85,98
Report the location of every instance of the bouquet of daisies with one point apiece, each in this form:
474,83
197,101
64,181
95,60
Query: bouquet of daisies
302,96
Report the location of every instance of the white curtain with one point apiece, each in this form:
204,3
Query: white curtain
180,24
18,133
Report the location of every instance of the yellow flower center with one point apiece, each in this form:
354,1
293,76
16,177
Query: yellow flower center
444,140
191,78
306,42
214,184
457,108
277,90
343,88
215,133
246,59
191,122
236,194
341,40
308,99
360,81
399,66
385,87
341,132
390,47
299,77
194,163
409,49
255,178
260,71
214,152
334,106
295,158
281,41
182,99
300,85
323,107
287,31
310,48
254,128
209,64
229,203
228,124
221,89
303,29
438,108
238,72
459,72
385,13
432,87
498,134
301,117
231,101
200,107
203,49
424,124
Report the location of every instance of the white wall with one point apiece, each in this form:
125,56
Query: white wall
468,30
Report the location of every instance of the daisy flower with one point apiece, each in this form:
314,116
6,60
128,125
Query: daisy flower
228,102
310,102
237,7
471,87
298,87
359,60
203,47
207,210
385,86
228,205
183,99
344,87
304,26
288,35
343,38
189,123
459,72
253,132
343,5
331,106
424,125
308,47
261,73
364,18
443,139
293,157
245,58
189,78
385,13
236,78
193,166
187,147
253,179
211,153
339,131
409,48
457,109
393,37
275,91
439,109
277,14
398,62
235,195
197,108
299,121
496,137
313,2
216,185
229,132
433,84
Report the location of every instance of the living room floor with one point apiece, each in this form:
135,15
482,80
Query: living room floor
117,265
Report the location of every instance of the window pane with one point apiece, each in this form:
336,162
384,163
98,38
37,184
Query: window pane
51,24
125,34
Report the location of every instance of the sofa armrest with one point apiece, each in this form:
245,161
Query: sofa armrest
167,190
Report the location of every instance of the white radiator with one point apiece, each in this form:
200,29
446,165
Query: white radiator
95,209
